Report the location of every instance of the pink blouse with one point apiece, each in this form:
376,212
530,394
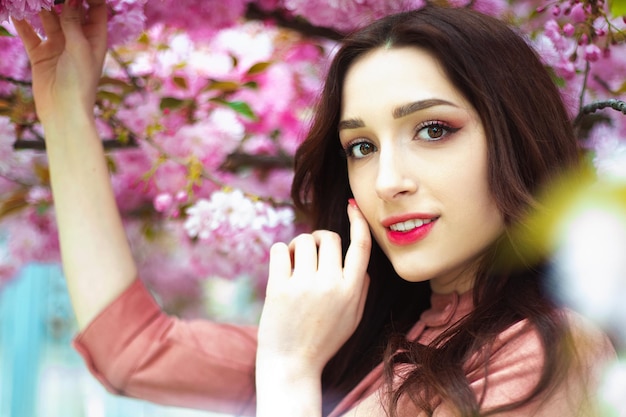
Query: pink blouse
134,349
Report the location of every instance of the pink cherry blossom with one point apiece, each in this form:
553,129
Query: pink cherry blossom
14,62
21,9
609,147
569,29
203,86
17,167
39,195
127,20
592,53
201,17
238,233
32,236
163,202
577,13
9,266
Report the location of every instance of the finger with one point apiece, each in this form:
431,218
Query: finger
96,26
279,265
363,298
50,22
358,254
27,34
329,252
95,3
304,251
97,14
72,21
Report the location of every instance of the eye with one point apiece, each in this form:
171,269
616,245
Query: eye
359,149
433,131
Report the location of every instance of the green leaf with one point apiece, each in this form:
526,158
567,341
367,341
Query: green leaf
258,68
242,108
559,81
618,8
111,165
110,96
171,103
123,136
114,82
252,84
42,208
13,202
5,32
6,108
225,86
144,39
180,82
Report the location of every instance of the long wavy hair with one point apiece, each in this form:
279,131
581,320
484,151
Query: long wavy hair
530,140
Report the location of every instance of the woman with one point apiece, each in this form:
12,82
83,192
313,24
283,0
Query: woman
439,126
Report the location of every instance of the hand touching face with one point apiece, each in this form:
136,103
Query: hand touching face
314,297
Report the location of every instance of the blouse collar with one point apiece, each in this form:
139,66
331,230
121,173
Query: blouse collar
446,307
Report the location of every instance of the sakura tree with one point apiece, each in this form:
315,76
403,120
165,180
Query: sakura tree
203,103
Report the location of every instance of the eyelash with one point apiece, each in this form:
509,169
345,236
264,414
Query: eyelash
348,151
438,124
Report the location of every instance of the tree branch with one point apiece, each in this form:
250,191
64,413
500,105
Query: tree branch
299,25
15,81
615,104
40,145
238,160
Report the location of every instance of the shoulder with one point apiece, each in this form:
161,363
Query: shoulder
590,340
514,364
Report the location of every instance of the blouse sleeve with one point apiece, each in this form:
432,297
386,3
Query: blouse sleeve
136,350
515,368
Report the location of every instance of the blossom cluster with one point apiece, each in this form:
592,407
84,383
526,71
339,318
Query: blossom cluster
240,231
126,17
21,9
14,62
204,116
247,91
583,46
210,108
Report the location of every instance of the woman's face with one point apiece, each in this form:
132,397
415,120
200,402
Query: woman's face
417,165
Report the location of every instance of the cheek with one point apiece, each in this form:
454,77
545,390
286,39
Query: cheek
364,195
467,188
484,210
356,185
472,177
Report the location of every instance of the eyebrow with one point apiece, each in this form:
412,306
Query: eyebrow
398,112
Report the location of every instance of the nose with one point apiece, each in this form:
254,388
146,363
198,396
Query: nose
396,175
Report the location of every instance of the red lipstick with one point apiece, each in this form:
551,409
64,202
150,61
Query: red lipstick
412,234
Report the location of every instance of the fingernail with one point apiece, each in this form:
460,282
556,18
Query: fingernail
352,203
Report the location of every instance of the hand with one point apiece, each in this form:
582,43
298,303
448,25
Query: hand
67,65
314,304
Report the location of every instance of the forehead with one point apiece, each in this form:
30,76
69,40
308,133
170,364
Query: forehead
389,76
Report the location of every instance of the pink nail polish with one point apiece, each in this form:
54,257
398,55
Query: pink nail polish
352,202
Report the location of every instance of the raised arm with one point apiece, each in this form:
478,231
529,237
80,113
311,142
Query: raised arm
66,68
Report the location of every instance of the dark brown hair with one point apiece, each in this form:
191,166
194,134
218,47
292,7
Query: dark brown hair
530,140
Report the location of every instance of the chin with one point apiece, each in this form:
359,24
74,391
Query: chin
411,276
